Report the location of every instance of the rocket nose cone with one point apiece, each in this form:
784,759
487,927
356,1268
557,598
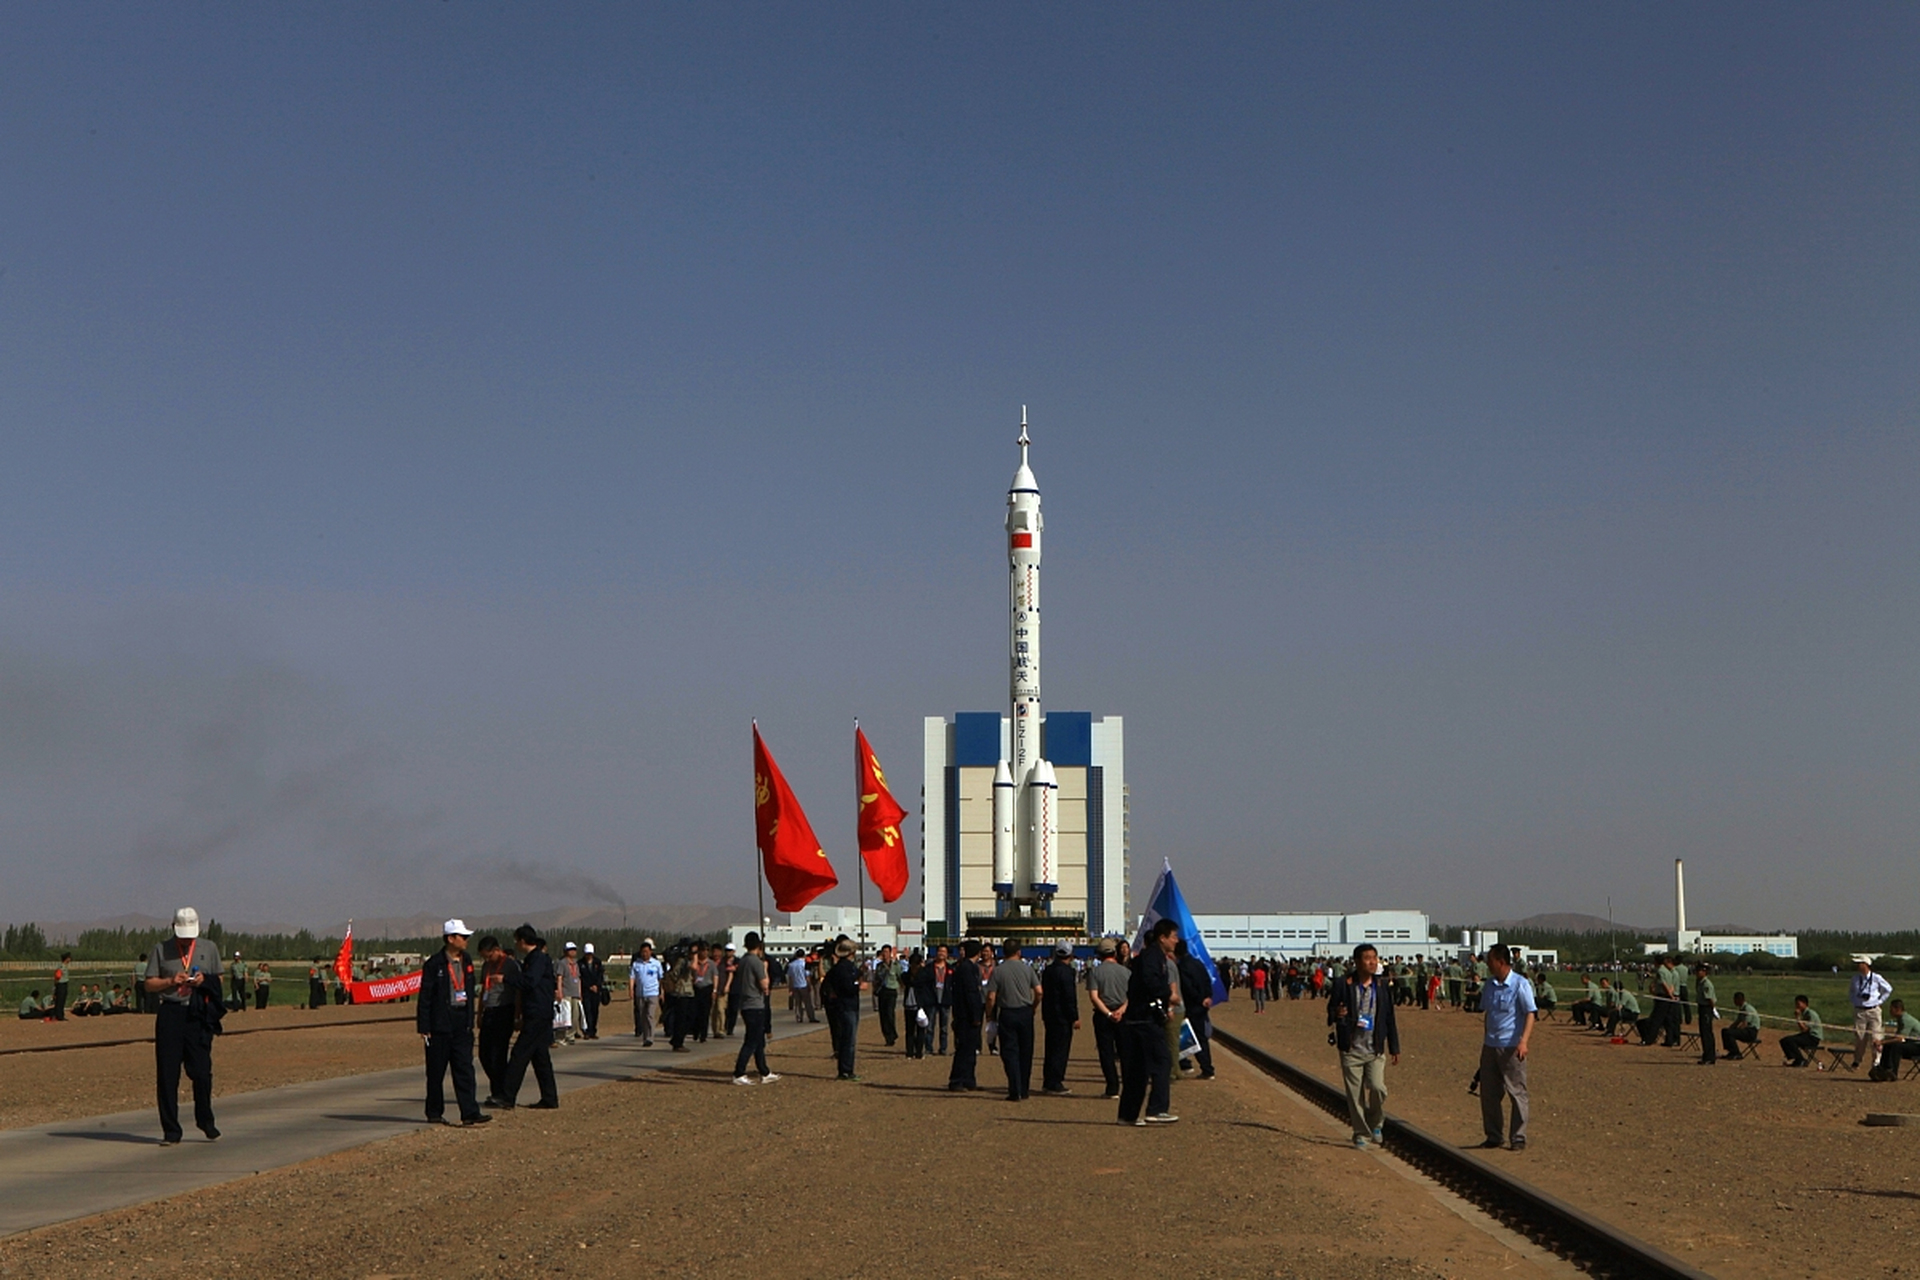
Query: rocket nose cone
1002,775
1023,480
1043,774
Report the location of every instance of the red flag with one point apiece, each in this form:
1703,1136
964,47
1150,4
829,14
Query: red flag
343,963
796,866
880,840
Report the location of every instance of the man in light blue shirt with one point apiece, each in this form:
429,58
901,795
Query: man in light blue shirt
1869,991
1506,1000
644,976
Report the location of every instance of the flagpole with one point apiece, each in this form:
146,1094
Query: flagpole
759,885
859,860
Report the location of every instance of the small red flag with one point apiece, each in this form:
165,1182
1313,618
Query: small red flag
880,840
343,963
796,866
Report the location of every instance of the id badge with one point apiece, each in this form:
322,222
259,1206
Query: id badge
459,998
1365,1021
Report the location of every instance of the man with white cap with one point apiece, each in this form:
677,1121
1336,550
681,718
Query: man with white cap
185,974
443,1016
1869,992
569,968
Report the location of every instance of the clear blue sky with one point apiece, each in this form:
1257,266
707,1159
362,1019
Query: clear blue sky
1481,446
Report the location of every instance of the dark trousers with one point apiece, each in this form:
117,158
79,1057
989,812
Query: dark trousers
533,1048
1016,1050
754,1047
966,1048
885,1001
1146,1070
60,1002
260,995
679,1019
178,1042
916,1034
845,1017
451,1049
733,1006
1708,1050
316,995
940,1018
238,999
496,1046
1581,1010
1053,1076
1733,1037
1669,1011
1106,1040
590,1001
1799,1046
702,1012
1203,1054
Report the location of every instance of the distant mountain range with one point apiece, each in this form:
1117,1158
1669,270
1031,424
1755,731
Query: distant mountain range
1567,922
660,918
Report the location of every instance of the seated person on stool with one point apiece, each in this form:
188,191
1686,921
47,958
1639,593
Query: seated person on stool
1900,1043
1625,1009
1744,1029
1582,1009
1800,1046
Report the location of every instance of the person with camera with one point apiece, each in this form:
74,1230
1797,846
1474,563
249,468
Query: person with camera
1365,1033
1146,1067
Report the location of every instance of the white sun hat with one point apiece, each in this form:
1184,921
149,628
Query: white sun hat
456,925
186,923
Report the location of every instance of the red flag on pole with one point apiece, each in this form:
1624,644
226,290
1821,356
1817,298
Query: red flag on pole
881,844
343,963
796,866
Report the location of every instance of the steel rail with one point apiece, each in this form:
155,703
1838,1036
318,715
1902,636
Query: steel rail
1548,1221
243,1031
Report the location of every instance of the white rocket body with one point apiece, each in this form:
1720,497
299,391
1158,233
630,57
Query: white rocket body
1043,830
1004,806
1034,827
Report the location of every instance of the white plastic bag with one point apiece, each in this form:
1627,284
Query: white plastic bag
920,1016
563,1015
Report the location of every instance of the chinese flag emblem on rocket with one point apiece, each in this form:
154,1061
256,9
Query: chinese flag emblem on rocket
880,842
796,866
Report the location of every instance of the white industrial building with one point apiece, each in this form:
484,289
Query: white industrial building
1685,941
1301,934
812,925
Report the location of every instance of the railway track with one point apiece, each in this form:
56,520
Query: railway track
238,1031
1548,1221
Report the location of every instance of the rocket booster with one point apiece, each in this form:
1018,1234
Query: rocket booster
1004,796
1043,830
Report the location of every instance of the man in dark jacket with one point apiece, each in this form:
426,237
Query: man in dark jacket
443,1015
499,1003
969,1006
1360,1011
593,981
1060,1016
1196,997
842,985
1145,1065
536,987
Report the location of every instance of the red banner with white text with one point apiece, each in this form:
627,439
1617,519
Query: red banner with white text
407,984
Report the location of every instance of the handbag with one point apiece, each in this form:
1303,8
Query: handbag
921,1018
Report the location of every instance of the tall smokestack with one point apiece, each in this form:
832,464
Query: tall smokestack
1679,896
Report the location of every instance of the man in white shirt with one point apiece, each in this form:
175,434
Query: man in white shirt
1869,993
643,980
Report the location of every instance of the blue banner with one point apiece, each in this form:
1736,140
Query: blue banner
1166,903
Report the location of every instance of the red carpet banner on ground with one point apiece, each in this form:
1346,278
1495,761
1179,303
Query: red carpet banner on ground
407,984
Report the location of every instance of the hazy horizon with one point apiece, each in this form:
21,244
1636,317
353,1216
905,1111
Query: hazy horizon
1481,448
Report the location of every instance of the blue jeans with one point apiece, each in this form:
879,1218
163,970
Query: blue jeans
846,1017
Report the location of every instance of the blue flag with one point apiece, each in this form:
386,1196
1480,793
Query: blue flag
1165,903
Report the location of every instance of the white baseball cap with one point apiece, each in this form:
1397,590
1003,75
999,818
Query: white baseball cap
589,948
569,947
186,923
456,925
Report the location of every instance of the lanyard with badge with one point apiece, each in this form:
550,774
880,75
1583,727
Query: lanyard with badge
457,983
1363,1018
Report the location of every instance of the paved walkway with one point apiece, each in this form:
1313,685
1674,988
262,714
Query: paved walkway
74,1168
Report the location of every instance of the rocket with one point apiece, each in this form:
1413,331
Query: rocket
1034,833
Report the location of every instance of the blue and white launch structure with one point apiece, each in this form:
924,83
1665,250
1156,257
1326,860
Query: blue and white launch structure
1046,819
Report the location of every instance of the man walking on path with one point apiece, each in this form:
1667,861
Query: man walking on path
443,1015
968,1004
1107,992
1011,994
537,988
1060,1014
1506,1001
886,993
751,987
1146,1068
497,1007
186,978
643,981
843,990
1869,993
1364,1030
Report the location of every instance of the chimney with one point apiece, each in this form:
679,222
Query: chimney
1679,898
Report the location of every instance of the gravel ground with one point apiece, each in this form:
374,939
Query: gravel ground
682,1172
37,1088
1744,1168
